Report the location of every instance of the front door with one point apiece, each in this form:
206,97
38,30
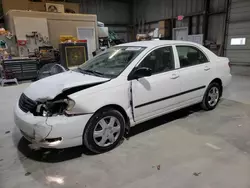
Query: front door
154,95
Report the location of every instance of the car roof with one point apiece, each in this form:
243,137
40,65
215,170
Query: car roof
155,43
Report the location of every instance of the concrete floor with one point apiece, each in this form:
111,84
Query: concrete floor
186,149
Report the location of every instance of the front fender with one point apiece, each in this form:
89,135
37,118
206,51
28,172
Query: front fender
91,102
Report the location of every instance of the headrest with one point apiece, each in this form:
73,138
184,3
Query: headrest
192,55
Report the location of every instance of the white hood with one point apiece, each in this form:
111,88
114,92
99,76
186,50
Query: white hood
50,87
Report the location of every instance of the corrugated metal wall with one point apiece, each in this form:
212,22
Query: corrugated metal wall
216,22
151,11
108,11
116,15
122,32
239,27
187,7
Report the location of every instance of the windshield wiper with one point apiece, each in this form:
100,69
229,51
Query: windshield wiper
91,72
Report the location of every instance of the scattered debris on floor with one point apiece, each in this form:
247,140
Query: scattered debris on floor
55,179
158,167
1,160
27,173
213,146
7,132
240,125
197,173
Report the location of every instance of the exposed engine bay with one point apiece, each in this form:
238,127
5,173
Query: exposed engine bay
54,107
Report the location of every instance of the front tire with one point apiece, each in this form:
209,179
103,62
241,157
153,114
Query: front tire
104,131
212,96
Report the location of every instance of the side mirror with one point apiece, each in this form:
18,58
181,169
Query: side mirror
140,73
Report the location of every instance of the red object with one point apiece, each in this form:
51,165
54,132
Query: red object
180,18
82,41
22,42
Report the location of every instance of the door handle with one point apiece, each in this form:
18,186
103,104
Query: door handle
207,68
174,76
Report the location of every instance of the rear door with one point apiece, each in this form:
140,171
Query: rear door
195,72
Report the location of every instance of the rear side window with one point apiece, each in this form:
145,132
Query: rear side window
190,56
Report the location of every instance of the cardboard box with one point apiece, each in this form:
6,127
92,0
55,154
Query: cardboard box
36,6
165,28
162,32
162,24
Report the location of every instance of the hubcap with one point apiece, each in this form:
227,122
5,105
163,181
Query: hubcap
213,96
107,131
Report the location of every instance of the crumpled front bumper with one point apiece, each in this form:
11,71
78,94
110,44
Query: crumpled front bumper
39,130
34,128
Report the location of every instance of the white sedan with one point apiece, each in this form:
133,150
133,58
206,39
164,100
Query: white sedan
128,84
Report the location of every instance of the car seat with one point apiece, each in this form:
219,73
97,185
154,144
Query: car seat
193,58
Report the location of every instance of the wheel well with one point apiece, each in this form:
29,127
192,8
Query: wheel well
217,80
122,111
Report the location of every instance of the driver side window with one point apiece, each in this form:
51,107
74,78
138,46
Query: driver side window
159,60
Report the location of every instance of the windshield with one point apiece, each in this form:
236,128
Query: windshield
111,62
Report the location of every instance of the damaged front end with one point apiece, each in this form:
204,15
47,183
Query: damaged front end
43,110
47,107
61,105
54,107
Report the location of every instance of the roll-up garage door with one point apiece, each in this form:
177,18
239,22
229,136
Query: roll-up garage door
238,33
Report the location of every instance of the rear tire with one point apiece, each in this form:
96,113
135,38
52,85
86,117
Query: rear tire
104,131
212,96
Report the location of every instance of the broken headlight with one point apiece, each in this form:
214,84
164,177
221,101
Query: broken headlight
54,108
